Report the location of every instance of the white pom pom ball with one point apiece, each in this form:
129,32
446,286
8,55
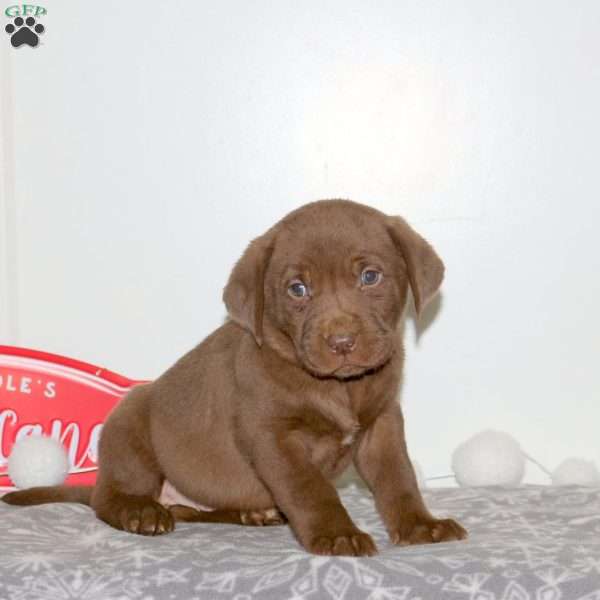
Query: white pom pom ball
37,460
576,471
489,458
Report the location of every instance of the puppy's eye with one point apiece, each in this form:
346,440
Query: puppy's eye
370,277
298,290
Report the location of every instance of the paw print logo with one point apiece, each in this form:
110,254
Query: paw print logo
24,32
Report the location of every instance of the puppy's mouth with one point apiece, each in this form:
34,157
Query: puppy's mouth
347,369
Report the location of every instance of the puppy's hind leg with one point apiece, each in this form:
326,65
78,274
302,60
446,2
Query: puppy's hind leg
130,479
263,517
188,514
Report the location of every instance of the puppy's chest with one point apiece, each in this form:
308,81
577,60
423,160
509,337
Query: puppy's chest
329,432
330,450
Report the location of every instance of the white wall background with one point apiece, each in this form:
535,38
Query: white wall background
144,144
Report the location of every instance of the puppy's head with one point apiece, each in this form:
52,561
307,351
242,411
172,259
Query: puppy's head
331,280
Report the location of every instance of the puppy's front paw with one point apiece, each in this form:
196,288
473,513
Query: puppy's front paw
343,543
416,529
145,518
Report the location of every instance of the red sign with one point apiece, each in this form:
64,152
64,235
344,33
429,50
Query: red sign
66,399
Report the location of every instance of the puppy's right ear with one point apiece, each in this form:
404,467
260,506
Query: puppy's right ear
244,294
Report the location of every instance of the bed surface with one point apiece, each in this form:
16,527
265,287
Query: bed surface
539,543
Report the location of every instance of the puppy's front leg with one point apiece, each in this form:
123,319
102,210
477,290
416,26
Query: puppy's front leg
310,502
382,461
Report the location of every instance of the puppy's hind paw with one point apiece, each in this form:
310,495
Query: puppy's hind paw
265,517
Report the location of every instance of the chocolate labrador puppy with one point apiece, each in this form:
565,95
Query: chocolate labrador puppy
258,419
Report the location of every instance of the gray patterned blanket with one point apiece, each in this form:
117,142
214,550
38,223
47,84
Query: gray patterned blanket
530,543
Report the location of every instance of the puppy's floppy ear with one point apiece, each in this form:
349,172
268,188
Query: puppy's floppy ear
244,294
424,266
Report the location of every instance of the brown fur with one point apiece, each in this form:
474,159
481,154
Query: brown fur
277,402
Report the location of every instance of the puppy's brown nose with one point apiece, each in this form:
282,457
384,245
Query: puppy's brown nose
342,343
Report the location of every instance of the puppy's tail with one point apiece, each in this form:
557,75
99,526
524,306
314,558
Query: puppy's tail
81,494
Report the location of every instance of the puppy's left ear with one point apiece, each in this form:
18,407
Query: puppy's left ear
244,294
424,266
